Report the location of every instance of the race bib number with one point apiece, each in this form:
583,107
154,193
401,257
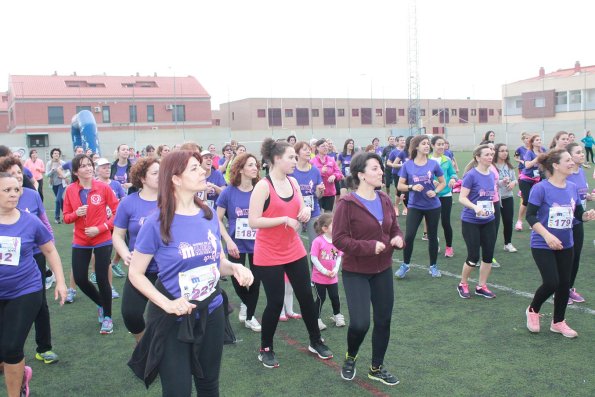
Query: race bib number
10,250
487,207
560,218
243,230
309,201
199,283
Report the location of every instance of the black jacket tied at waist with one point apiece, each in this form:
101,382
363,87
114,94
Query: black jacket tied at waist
148,353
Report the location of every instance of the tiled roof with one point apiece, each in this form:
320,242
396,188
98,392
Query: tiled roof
563,73
105,87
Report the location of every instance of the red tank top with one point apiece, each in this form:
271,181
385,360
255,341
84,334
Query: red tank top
280,244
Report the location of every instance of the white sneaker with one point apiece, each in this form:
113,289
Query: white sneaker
49,281
243,311
253,324
338,319
510,248
321,325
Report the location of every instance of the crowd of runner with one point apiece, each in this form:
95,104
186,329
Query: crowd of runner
304,221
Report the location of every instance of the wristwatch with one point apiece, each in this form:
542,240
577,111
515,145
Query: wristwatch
409,187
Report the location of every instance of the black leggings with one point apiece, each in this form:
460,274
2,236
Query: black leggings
43,331
175,366
555,268
40,188
134,304
414,218
476,236
589,150
578,235
327,203
446,207
497,212
248,295
273,281
507,213
525,188
16,318
81,257
333,294
361,290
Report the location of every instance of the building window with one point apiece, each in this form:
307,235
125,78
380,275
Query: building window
499,112
55,115
275,117
434,112
366,116
518,103
354,112
179,113
105,115
217,122
453,112
575,96
473,112
37,140
329,116
315,113
491,112
340,112
537,102
261,113
444,116
79,108
302,116
463,115
561,98
401,112
391,116
483,115
422,112
378,112
132,116
288,112
150,113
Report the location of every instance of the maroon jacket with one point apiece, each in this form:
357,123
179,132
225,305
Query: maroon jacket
356,230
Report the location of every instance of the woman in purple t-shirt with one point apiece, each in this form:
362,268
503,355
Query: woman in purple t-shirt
528,176
554,204
477,220
417,178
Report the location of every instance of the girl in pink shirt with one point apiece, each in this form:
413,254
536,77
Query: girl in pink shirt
326,260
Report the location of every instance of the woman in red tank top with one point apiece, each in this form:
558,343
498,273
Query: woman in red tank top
277,210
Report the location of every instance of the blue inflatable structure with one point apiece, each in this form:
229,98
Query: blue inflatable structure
84,132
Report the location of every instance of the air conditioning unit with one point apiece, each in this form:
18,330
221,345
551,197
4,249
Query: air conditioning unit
97,109
169,107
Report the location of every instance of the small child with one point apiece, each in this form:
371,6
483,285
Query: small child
326,260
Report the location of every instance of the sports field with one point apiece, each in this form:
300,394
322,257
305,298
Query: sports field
441,345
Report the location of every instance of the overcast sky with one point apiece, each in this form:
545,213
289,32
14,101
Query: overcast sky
319,48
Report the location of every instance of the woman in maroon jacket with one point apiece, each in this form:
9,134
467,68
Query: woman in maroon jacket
365,228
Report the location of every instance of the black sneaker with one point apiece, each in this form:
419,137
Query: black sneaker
267,357
321,350
348,370
382,375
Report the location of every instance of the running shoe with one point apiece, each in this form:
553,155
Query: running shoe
463,291
570,302
117,270
49,281
295,316
495,263
107,326
482,290
283,318
510,248
402,271
48,357
70,295
449,252
58,221
518,226
575,296
348,370
27,375
434,271
253,324
562,328
115,294
321,350
424,236
382,375
338,319
93,278
100,316
267,358
321,325
243,312
532,320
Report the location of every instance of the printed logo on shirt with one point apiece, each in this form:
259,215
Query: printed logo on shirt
331,255
423,178
241,212
486,193
307,188
95,199
206,249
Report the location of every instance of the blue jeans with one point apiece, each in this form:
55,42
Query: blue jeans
59,193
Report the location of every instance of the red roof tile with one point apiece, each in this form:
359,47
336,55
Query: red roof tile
563,73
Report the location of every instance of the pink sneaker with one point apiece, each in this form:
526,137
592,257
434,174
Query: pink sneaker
532,320
282,318
563,328
518,226
27,375
575,296
295,316
449,252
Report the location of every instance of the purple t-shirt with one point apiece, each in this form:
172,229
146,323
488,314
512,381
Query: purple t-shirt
236,204
422,175
449,154
30,201
216,178
131,215
481,192
195,242
532,172
308,180
344,161
19,274
580,180
374,206
555,213
520,153
392,157
117,189
121,175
